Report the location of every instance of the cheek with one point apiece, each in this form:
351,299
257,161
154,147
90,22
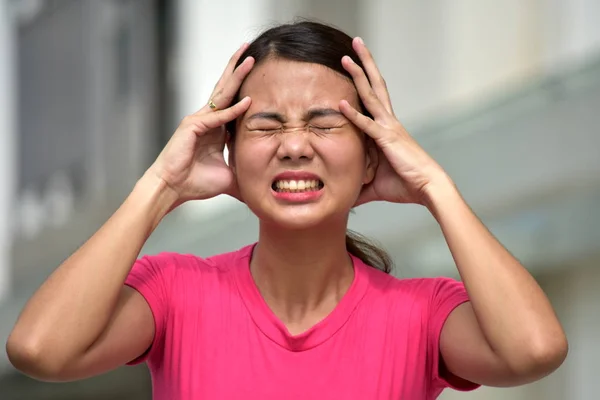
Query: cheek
246,169
245,155
250,168
350,155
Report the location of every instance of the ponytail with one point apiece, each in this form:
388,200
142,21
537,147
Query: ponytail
368,252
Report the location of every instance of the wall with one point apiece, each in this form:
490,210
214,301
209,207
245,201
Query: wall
439,56
7,144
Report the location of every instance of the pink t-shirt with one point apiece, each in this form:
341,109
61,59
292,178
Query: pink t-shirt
216,338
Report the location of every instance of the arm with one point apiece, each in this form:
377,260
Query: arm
82,321
102,323
508,334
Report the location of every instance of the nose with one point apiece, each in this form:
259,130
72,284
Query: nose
295,145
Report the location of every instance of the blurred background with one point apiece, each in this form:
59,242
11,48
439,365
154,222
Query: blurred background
505,95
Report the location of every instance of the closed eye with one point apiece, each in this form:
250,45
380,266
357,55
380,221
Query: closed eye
322,129
265,130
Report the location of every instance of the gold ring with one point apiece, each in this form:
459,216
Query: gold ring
212,105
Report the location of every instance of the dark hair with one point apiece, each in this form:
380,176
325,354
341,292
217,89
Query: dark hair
316,43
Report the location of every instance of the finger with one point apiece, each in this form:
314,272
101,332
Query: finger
225,96
230,66
215,119
364,88
375,76
364,123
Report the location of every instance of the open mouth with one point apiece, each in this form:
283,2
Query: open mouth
297,186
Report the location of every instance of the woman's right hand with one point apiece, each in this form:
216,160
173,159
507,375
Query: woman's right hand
192,163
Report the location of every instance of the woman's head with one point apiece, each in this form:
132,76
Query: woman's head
294,125
305,42
294,138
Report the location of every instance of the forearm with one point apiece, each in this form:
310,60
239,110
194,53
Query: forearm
513,312
71,309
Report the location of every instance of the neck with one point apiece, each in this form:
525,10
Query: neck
302,273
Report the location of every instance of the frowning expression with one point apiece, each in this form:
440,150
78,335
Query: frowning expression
298,161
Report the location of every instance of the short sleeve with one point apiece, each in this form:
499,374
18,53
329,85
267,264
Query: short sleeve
447,295
151,276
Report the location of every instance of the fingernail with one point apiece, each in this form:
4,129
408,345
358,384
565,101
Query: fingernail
360,40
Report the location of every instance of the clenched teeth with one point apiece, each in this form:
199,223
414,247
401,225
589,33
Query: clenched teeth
297,185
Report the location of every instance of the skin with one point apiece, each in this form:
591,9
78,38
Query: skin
294,123
507,335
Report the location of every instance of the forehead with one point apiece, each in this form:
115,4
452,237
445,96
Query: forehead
283,84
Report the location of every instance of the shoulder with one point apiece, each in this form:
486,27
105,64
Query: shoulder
413,304
427,291
171,265
430,286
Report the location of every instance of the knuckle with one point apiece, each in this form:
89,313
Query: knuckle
192,121
197,126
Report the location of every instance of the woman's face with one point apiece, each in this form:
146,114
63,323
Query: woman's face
298,161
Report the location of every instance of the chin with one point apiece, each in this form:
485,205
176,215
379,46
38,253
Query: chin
297,217
293,219
293,225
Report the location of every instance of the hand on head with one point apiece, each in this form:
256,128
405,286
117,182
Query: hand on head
405,171
192,162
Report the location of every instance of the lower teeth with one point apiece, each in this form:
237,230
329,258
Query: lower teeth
295,191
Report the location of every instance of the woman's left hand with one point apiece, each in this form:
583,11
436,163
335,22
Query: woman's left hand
405,172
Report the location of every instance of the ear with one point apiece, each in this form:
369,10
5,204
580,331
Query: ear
371,160
229,143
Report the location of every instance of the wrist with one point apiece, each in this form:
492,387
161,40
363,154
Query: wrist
441,194
154,196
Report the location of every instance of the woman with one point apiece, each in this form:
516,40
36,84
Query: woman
306,312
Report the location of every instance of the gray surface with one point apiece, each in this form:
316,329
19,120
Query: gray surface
52,84
127,383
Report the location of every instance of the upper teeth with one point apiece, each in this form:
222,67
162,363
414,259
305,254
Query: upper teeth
297,184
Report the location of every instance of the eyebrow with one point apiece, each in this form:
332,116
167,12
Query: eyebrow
322,112
268,115
311,114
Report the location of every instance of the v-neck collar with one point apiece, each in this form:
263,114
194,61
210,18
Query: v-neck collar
272,326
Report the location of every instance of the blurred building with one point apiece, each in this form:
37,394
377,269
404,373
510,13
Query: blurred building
505,95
